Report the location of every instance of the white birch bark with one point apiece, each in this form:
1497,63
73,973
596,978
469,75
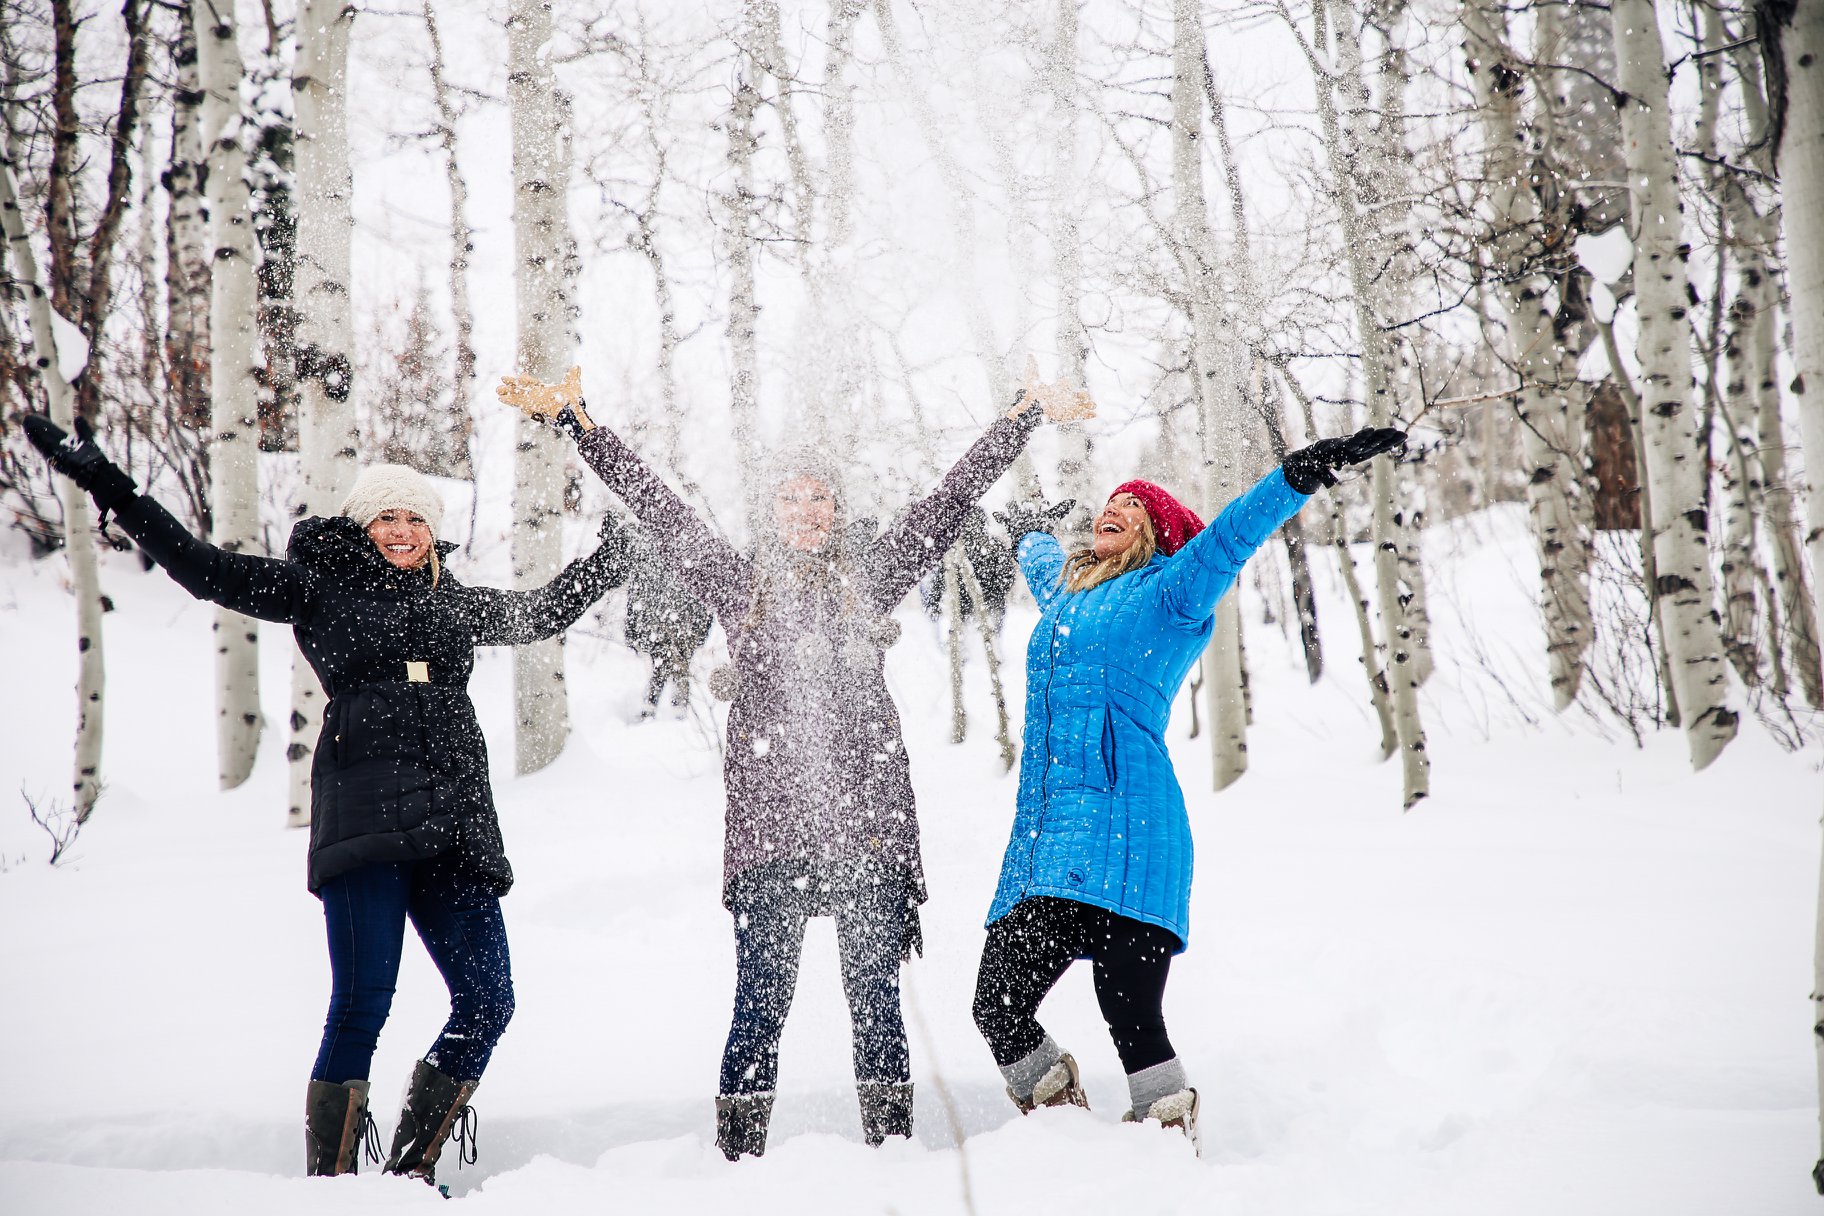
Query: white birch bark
1214,369
1549,405
79,544
327,438
234,488
1798,31
462,243
1793,629
1361,238
187,290
743,300
544,300
1675,465
1071,339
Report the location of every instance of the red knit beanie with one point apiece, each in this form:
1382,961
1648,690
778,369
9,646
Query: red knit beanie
1173,522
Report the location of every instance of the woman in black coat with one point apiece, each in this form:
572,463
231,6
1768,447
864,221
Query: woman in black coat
402,817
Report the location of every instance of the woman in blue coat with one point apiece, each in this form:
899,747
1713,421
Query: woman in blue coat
1099,862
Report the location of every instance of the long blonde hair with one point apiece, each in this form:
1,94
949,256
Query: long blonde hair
1084,570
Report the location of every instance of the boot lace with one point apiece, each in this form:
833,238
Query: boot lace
468,1123
368,1138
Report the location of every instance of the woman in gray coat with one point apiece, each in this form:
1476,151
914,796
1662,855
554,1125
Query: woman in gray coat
820,818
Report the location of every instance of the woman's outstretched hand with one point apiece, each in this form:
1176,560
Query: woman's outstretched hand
1022,518
559,405
1315,466
1061,400
78,458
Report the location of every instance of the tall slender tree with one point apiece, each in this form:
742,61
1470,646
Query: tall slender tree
327,437
544,255
234,379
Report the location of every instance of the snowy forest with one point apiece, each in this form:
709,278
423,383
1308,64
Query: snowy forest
1503,757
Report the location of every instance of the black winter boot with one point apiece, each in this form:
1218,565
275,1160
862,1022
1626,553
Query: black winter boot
886,1110
436,1109
336,1124
741,1121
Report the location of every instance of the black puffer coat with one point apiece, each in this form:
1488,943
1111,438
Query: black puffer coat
401,769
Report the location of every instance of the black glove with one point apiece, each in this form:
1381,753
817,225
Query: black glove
77,457
1315,466
1021,518
570,419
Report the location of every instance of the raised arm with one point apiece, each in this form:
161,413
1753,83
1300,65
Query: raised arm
1042,565
682,542
1201,571
514,618
1197,575
917,540
260,587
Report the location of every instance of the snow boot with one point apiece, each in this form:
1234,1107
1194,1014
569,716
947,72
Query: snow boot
436,1110
336,1125
1061,1085
741,1121
886,1110
1177,1111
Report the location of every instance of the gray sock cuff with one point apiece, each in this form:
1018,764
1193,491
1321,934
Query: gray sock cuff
1151,1084
1024,1073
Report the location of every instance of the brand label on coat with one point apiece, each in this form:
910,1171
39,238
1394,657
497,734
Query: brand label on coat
417,672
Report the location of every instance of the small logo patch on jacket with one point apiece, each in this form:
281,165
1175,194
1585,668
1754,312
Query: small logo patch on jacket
1076,877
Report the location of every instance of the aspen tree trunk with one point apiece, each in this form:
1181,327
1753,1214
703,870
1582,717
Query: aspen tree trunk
1675,466
234,485
743,302
85,574
1293,532
458,453
1379,165
1360,238
187,289
327,437
1218,385
973,586
1380,694
952,602
1796,32
1071,340
1549,407
1793,639
543,291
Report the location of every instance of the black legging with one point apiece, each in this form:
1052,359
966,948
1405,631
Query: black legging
1030,948
771,905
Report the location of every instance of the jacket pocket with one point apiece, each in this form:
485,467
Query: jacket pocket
1108,746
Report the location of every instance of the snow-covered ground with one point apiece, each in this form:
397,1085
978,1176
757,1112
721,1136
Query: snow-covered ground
1574,980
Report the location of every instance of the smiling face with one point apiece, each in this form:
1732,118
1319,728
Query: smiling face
1119,526
403,537
804,510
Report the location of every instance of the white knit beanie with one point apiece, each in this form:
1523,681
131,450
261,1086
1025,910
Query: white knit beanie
393,487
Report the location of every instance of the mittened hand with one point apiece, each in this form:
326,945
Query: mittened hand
559,405
78,458
1022,518
1313,467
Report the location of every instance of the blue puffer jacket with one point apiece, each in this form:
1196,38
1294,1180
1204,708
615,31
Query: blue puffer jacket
1100,817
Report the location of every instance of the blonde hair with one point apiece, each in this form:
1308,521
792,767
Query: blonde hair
1084,570
436,565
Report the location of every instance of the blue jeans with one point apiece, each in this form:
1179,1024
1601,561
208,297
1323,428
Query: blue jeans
871,927
457,916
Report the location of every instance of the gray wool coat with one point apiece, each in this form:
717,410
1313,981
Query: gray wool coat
815,769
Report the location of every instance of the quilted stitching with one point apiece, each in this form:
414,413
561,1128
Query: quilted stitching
1099,816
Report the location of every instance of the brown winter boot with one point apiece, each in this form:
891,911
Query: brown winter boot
336,1123
886,1110
1175,1111
436,1109
1060,1086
